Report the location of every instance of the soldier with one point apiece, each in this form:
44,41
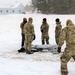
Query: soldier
58,29
23,35
29,35
67,34
44,30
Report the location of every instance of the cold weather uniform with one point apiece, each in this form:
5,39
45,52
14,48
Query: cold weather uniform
58,29
22,31
67,34
44,30
29,34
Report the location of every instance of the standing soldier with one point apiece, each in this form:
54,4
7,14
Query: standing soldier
44,30
29,35
58,29
23,35
67,34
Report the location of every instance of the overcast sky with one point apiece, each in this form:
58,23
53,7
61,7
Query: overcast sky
12,1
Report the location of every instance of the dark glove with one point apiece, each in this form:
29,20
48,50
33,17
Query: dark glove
41,30
34,37
59,49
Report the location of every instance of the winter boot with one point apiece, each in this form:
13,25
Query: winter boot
59,49
21,50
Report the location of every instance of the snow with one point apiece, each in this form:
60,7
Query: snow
39,63
9,5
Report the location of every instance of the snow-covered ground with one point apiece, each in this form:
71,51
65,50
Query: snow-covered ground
39,63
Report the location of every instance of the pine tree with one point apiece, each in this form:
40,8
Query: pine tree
55,6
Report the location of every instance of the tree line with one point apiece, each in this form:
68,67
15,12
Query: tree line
54,6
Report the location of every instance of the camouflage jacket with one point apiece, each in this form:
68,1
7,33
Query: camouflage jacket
22,27
58,29
29,29
45,28
67,34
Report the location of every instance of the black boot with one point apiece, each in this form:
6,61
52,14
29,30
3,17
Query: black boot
21,50
59,49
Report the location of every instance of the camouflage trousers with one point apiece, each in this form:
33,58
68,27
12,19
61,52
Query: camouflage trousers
57,40
45,38
28,41
23,40
68,53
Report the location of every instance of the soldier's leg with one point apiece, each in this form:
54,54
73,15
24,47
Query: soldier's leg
23,39
30,38
26,42
43,40
29,46
29,43
47,39
56,40
64,60
59,49
22,44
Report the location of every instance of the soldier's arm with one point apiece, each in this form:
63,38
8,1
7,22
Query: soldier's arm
25,29
33,30
60,27
33,33
41,28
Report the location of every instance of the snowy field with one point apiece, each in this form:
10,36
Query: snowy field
39,63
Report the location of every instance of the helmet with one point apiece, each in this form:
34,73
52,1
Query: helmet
57,20
24,19
68,21
44,19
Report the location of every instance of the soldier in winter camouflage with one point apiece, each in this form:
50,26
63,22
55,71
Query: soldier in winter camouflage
44,30
67,34
23,34
29,35
22,31
58,29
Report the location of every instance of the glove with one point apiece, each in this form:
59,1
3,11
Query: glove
41,30
59,49
34,37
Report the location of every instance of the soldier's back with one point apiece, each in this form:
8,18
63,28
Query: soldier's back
28,28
